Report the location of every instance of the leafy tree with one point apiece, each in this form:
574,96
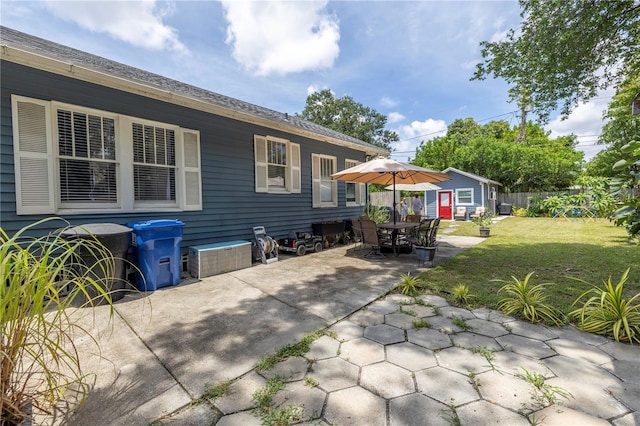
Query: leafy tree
565,51
349,117
538,164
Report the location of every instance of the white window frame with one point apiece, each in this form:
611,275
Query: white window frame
292,167
360,189
318,181
462,203
37,159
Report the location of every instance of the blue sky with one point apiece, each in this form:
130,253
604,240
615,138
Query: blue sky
411,61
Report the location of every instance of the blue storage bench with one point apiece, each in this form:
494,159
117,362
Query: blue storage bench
218,258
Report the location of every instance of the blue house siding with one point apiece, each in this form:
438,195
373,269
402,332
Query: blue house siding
231,207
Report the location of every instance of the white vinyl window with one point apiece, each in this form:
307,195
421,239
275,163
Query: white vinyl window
72,160
277,165
325,188
355,191
464,196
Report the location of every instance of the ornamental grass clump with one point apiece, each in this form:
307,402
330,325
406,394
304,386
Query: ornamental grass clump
39,360
528,301
609,312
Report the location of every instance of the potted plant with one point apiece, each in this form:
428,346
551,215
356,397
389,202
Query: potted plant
484,222
424,250
39,360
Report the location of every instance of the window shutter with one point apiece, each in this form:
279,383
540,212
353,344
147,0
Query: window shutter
33,159
315,176
262,170
191,176
361,191
295,168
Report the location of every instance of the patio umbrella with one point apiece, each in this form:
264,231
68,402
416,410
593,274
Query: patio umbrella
425,186
386,171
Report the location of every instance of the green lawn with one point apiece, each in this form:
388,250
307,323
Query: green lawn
557,250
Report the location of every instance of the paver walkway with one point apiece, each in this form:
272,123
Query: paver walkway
377,368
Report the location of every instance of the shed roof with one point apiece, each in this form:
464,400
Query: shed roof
472,176
39,53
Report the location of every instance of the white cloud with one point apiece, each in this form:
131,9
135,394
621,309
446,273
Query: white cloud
277,37
395,117
388,102
136,22
412,134
586,122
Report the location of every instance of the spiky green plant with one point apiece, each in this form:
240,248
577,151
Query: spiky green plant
408,284
527,301
39,359
608,312
461,294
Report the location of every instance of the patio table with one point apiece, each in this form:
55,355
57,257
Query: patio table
395,231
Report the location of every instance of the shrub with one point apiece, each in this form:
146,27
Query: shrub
39,360
608,312
527,301
461,294
408,284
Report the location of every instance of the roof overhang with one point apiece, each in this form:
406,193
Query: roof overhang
50,64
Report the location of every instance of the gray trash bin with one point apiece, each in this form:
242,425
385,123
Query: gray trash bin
116,238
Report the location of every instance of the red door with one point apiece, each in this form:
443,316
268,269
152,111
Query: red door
444,205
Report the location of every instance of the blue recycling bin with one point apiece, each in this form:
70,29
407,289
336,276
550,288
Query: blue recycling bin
156,252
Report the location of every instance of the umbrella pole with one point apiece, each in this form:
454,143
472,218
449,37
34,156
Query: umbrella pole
394,198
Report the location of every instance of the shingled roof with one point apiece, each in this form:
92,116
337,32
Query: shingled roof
25,42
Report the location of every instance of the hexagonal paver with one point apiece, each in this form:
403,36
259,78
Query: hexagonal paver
355,406
402,321
244,418
384,334
362,351
324,347
240,395
571,332
387,380
533,331
446,386
467,339
590,398
310,399
492,315
428,338
627,393
410,356
433,300
512,363
292,369
443,324
479,412
383,306
631,419
452,311
627,371
486,328
421,311
413,410
579,350
580,371
347,330
555,415
367,318
400,299
462,360
506,390
621,351
525,346
334,373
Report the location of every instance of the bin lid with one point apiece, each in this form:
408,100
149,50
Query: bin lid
96,229
157,223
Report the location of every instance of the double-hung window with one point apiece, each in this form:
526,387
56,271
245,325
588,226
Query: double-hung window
71,159
277,165
464,196
355,191
325,188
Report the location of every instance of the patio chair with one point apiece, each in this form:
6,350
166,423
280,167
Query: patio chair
357,231
433,234
479,211
421,231
414,218
371,238
461,213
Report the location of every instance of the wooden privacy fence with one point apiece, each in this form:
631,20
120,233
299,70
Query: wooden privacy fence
521,199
